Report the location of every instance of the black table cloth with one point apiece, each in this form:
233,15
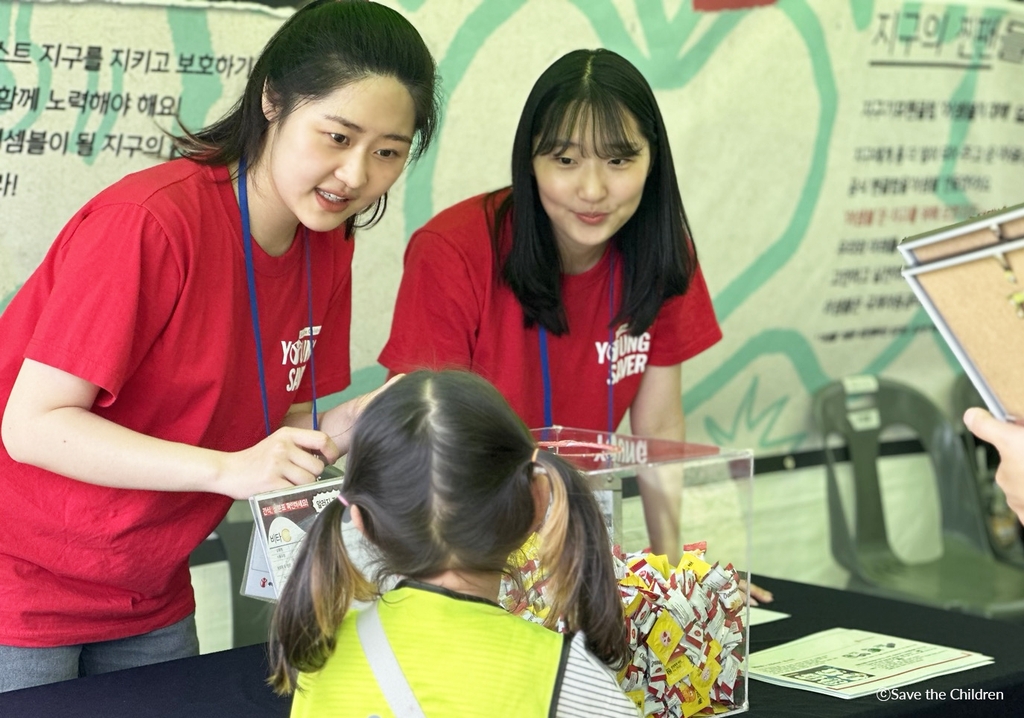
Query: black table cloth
230,684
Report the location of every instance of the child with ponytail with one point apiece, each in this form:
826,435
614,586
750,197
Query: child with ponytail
445,482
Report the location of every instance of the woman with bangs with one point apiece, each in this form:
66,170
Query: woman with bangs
576,291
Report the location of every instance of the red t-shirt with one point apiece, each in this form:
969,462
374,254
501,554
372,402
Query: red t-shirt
143,293
453,312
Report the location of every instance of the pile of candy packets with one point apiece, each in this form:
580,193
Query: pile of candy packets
685,624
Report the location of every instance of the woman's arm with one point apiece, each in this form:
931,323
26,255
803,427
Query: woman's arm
48,423
657,412
657,409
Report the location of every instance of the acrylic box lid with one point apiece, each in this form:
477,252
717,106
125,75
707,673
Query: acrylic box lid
598,452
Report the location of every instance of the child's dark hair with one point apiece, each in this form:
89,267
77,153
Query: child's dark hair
594,91
441,471
325,45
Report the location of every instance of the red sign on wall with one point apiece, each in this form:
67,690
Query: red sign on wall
714,5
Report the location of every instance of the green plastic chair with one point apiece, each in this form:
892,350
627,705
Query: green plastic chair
967,576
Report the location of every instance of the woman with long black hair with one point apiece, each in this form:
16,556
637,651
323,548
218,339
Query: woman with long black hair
576,291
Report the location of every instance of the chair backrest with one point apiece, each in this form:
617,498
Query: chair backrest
859,416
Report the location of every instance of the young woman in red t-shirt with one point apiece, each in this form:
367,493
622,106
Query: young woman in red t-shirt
577,290
136,400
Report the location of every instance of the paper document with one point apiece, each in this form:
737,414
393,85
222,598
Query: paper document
848,663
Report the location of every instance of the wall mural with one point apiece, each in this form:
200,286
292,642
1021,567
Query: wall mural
810,136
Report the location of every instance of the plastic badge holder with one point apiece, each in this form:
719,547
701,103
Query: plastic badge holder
281,520
713,486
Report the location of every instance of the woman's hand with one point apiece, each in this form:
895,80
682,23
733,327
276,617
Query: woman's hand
1008,438
757,594
288,457
339,421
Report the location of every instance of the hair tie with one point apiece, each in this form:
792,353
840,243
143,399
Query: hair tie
533,456
342,499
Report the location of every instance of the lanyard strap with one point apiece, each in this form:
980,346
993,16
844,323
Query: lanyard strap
309,305
545,374
250,280
542,337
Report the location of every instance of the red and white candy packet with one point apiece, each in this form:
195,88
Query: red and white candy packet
686,627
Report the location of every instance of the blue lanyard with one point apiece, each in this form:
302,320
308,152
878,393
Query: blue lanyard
542,337
250,279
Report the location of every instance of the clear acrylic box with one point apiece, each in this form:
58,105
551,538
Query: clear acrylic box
685,493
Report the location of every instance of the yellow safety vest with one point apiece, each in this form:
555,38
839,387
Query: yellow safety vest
461,657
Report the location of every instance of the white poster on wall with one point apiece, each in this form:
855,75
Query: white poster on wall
809,137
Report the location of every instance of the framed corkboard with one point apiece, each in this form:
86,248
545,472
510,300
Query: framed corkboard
976,300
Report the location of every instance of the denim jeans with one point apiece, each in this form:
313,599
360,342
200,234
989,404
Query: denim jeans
25,667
